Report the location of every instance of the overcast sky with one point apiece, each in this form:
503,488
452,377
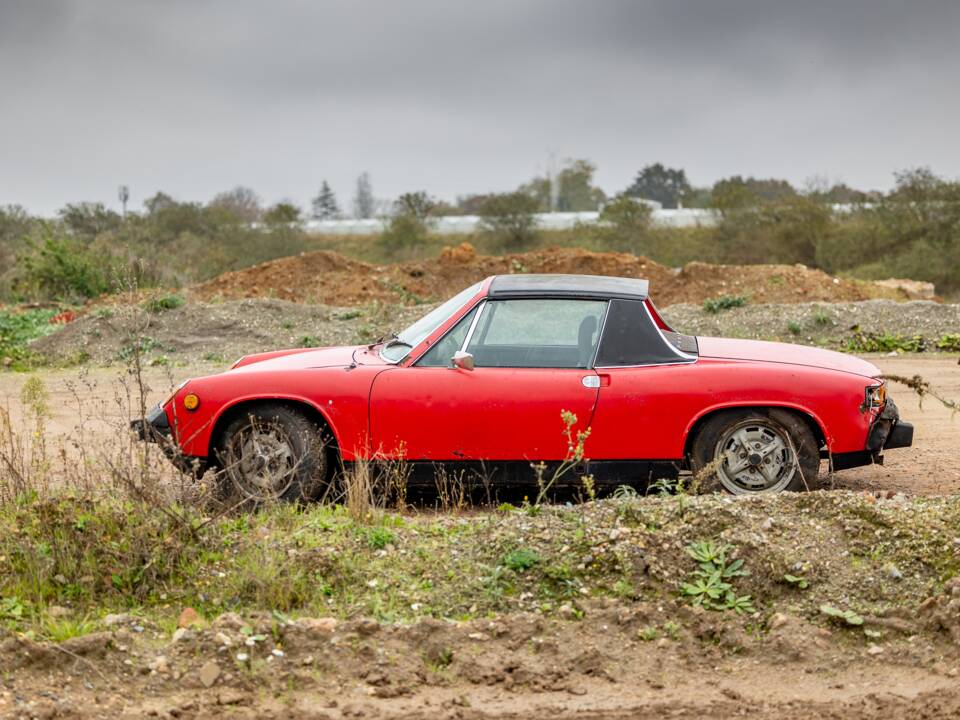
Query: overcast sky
454,97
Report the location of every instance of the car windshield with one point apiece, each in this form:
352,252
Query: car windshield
397,349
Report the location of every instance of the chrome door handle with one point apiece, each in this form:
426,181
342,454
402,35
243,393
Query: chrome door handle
590,381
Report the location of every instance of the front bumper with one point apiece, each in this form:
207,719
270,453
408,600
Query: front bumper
155,427
887,432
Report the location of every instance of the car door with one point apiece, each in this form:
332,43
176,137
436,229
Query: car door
532,361
650,389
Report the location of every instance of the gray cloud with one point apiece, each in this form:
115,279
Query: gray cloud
455,96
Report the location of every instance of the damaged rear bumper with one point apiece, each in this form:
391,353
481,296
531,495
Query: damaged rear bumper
887,432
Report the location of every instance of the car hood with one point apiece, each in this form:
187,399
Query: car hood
307,358
761,351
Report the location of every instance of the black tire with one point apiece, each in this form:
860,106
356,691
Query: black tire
773,438
272,453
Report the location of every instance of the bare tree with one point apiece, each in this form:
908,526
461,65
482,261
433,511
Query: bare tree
364,204
242,202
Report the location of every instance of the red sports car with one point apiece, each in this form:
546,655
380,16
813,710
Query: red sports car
480,382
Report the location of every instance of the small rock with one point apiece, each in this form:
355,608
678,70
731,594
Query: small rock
209,673
159,664
322,625
58,611
367,626
894,572
766,524
188,617
778,620
567,612
229,621
242,657
112,620
223,639
874,650
229,696
181,634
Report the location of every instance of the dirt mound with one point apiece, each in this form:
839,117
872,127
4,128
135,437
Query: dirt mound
326,277
769,284
318,277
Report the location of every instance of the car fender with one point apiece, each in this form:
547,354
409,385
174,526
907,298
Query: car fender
208,427
733,405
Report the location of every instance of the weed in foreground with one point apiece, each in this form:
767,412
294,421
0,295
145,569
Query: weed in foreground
711,585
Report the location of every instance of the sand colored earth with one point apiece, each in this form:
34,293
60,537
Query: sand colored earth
330,278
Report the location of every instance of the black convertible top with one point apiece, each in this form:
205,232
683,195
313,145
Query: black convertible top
593,286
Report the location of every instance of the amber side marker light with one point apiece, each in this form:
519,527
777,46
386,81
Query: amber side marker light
191,401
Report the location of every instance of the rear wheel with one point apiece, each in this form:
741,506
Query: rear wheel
757,451
273,453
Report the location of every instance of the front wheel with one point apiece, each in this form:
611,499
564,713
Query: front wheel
273,453
757,451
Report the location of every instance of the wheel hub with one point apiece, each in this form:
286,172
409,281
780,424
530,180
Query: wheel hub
263,464
756,457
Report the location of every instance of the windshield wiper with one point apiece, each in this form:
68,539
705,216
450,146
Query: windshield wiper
392,337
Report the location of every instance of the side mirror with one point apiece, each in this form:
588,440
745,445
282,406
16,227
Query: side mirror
463,360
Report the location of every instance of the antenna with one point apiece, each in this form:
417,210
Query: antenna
123,193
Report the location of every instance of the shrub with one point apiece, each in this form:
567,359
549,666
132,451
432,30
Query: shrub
626,225
404,234
510,218
783,231
62,268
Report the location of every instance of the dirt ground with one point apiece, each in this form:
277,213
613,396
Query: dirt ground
602,667
97,401
326,277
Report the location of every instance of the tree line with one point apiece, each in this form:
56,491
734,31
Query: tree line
911,231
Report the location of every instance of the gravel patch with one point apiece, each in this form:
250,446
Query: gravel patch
824,324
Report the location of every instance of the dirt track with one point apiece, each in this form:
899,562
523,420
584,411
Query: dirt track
95,399
575,671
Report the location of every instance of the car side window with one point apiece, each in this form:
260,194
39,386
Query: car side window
630,338
537,333
442,352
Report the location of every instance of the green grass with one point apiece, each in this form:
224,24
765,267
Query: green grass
18,328
100,556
